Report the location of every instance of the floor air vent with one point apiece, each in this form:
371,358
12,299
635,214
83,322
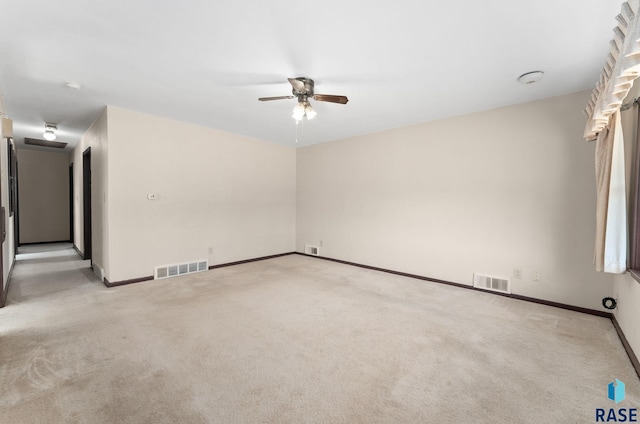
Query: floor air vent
167,271
311,250
487,282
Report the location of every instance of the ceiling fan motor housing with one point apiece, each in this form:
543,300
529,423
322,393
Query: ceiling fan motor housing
304,89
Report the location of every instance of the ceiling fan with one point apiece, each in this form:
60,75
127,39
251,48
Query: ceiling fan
303,90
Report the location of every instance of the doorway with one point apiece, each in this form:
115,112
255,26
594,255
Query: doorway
71,208
86,204
13,193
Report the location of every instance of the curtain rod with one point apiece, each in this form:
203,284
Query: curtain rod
629,105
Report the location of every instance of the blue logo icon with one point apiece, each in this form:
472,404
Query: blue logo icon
616,391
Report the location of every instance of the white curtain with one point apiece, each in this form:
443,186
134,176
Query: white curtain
611,207
603,124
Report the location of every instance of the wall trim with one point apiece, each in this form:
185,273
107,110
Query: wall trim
141,279
78,251
43,242
246,261
5,291
125,282
627,347
469,287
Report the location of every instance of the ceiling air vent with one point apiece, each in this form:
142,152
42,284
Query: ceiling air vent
45,143
487,282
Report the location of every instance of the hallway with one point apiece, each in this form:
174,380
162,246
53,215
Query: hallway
48,271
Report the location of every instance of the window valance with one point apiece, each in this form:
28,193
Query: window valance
619,72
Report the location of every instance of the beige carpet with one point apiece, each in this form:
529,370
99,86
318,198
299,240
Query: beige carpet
293,340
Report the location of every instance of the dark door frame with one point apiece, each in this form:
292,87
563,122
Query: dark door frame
4,285
16,214
86,201
12,181
71,208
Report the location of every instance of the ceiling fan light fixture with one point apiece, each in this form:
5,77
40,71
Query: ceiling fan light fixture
309,112
298,112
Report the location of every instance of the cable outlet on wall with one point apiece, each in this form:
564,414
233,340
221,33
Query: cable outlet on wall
537,276
517,274
152,196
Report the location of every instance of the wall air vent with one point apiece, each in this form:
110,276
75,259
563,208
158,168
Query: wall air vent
311,250
166,271
45,143
487,282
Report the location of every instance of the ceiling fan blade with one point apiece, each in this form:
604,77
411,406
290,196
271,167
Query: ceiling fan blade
298,86
264,99
331,98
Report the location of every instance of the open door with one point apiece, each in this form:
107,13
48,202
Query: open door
86,204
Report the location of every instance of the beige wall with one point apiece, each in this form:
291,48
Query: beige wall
43,195
96,139
220,196
627,293
487,192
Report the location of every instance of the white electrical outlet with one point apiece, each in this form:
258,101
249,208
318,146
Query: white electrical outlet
517,274
537,276
152,196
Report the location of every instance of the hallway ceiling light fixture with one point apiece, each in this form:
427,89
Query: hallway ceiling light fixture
49,131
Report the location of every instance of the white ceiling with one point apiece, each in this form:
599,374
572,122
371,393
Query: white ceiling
207,62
